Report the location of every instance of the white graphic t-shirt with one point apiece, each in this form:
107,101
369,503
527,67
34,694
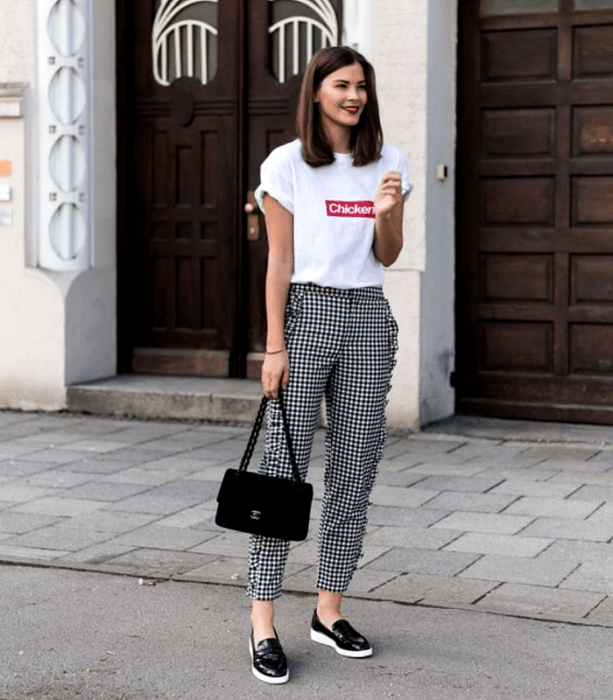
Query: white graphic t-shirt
333,213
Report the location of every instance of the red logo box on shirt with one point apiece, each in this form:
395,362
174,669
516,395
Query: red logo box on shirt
362,210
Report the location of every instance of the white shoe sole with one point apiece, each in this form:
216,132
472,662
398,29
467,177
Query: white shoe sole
273,680
322,638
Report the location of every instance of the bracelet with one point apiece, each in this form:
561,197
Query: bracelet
276,352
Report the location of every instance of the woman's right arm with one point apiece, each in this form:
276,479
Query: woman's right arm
279,228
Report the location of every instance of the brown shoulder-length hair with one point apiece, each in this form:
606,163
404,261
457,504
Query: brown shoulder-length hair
366,136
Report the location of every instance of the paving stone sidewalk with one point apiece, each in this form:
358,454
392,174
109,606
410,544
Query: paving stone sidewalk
504,522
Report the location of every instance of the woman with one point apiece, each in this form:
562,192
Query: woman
333,201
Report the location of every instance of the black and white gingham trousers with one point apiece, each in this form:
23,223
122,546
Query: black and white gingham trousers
341,343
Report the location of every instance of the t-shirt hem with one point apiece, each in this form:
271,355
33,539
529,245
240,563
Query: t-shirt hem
338,285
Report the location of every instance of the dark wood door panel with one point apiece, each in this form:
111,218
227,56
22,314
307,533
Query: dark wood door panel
546,389
535,215
526,201
271,106
566,16
538,410
207,89
592,131
520,55
186,232
156,31
514,278
518,133
535,240
267,132
591,279
272,81
515,346
592,203
182,94
593,52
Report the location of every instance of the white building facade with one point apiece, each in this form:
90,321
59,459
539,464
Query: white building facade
63,151
57,131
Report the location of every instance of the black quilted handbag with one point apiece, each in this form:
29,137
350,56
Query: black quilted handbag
261,504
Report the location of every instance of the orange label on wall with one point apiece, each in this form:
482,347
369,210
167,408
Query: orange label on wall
5,168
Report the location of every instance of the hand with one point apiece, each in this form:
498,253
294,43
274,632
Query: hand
275,371
389,193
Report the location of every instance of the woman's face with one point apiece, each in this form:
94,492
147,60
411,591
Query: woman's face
342,97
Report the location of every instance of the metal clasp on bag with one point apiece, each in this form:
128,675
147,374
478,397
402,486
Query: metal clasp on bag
255,515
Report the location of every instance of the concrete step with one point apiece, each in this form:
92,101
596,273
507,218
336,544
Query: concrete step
158,397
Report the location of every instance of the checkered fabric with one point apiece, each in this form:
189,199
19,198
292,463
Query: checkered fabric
341,344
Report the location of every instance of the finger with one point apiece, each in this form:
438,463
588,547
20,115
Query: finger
394,192
271,388
395,185
391,183
268,386
391,189
392,176
392,186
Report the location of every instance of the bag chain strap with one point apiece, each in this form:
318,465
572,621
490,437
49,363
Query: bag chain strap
253,438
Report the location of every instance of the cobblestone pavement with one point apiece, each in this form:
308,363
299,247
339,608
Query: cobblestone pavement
505,523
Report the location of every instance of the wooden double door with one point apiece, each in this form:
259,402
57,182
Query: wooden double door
535,209
206,90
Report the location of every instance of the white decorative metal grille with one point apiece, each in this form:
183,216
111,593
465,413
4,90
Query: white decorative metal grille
64,105
184,44
297,36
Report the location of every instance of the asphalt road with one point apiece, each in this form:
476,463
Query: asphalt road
71,635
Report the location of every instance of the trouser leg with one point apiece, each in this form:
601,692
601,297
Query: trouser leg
267,555
309,370
356,397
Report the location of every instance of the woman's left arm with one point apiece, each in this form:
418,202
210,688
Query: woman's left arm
389,210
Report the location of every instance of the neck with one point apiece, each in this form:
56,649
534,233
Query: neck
339,137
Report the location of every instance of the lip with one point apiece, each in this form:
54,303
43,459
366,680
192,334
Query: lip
352,110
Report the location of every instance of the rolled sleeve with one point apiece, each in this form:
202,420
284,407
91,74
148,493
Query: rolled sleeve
276,181
403,168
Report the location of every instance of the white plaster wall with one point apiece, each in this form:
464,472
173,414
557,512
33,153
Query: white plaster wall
17,41
57,328
437,285
31,307
400,60
358,26
414,53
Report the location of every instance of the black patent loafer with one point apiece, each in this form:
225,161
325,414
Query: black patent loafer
341,637
268,661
